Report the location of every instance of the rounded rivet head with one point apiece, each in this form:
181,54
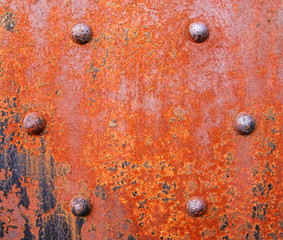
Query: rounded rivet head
81,33
196,206
197,32
34,123
244,123
80,206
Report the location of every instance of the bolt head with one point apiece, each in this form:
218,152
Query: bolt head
34,123
244,123
81,33
196,206
80,206
197,32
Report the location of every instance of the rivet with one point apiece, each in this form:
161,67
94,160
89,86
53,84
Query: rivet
80,206
81,33
196,206
34,123
197,32
244,123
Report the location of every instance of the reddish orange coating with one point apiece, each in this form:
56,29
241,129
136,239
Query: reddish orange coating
140,119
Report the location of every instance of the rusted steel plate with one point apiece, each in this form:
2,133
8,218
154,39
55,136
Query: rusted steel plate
140,119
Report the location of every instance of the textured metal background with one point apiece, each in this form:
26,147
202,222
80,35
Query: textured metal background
140,119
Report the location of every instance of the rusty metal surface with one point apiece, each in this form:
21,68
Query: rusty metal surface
140,120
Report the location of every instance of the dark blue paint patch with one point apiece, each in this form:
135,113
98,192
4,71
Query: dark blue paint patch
9,162
120,235
95,73
2,229
54,226
11,165
100,192
259,211
131,237
79,225
8,21
46,183
257,234
166,188
224,222
27,231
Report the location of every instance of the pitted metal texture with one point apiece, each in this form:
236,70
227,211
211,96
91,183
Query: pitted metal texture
139,118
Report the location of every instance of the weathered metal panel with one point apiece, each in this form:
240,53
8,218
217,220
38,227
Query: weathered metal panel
140,119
